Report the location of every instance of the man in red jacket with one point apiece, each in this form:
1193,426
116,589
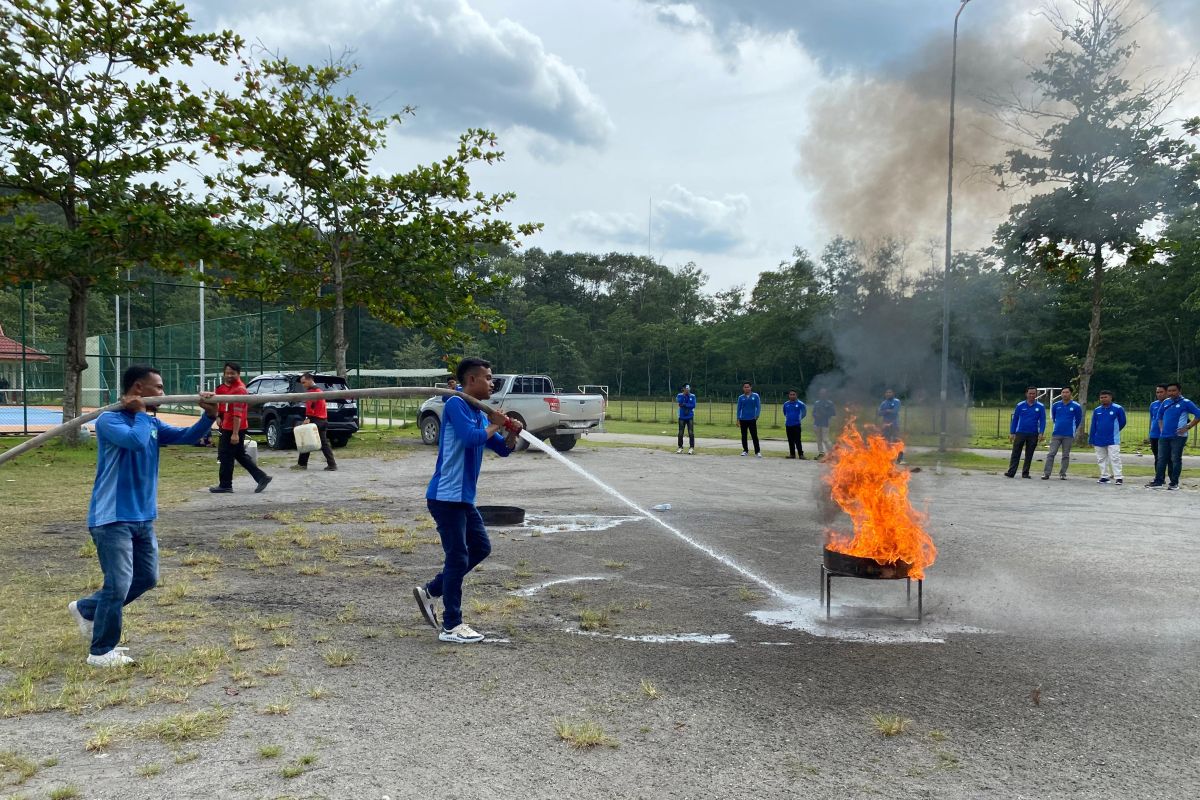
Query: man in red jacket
233,443
316,413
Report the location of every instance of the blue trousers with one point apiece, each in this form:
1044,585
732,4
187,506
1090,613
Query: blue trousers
465,542
128,553
1169,459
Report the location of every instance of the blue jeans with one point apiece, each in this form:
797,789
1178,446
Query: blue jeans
1170,457
465,542
128,553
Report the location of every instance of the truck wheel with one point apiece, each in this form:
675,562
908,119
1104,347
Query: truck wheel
276,438
339,441
563,443
431,428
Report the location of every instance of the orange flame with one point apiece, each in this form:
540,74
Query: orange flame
868,486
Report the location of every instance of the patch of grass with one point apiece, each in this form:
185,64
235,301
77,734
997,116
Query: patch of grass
311,569
321,637
274,669
512,605
890,724
173,593
946,760
165,694
325,516
291,771
748,595
18,764
68,792
87,549
578,597
937,736
197,559
186,758
592,620
190,726
282,639
52,761
243,641
103,738
337,657
370,633
269,751
194,667
283,517
641,605
280,708
480,607
271,623
150,770
615,565
583,735
317,693
348,614
650,690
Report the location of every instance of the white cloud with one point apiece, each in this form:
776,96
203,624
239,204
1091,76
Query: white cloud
681,221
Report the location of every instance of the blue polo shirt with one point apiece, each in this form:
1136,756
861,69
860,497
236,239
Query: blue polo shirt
749,406
1155,413
687,405
889,411
1067,418
1028,418
1107,423
793,412
460,452
1173,415
823,411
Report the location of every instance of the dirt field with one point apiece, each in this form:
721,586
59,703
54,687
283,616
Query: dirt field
283,656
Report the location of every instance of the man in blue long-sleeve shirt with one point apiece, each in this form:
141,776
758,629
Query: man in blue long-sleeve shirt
888,415
465,433
124,506
1173,428
749,406
1026,427
1104,434
1160,394
794,412
687,417
1066,416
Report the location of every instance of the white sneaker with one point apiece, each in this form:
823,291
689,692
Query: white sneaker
425,604
745,453
113,658
462,634
85,625
680,450
691,451
758,455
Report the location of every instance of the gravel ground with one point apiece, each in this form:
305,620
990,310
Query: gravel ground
1057,658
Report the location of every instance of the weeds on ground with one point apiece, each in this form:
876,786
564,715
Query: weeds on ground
282,639
641,605
348,614
68,792
326,516
269,751
337,657
150,770
298,767
615,565
591,620
103,737
242,641
274,668
280,708
186,758
890,724
650,690
317,693
748,595
189,726
583,735
22,767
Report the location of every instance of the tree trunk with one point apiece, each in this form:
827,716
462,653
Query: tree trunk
340,345
1089,361
76,354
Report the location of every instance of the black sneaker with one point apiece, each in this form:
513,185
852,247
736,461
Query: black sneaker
1062,477
1119,482
1102,480
263,483
1026,475
1045,477
1174,487
425,604
1154,485
331,468
220,490
1010,474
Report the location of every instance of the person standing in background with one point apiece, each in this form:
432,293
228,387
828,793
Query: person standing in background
794,411
749,406
1108,419
823,411
1027,425
687,417
1066,416
316,412
232,446
1160,394
888,415
1173,427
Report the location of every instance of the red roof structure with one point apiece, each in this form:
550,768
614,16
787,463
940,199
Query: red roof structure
11,350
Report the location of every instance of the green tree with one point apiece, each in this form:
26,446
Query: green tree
1100,161
87,120
404,246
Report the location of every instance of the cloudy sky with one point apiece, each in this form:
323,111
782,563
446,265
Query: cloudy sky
724,132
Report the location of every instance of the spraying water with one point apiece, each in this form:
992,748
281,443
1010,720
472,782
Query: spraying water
708,551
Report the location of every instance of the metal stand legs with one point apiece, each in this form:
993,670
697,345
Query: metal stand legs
826,589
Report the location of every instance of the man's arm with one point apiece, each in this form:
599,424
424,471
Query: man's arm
169,434
1012,422
1121,419
1041,420
112,429
497,445
458,417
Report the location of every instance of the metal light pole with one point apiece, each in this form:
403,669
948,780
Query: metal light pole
202,352
949,233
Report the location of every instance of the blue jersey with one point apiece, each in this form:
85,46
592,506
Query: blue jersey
1155,414
687,405
823,411
889,411
793,412
126,487
1027,418
460,452
1173,415
749,406
1067,418
1107,422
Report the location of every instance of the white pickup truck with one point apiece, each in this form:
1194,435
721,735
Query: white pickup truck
533,401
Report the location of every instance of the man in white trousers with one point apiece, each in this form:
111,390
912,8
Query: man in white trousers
1108,419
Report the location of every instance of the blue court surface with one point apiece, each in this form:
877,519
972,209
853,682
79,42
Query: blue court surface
11,416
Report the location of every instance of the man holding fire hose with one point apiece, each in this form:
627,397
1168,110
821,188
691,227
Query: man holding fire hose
451,496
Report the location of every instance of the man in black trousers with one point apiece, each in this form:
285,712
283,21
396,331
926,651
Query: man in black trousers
1027,426
315,412
232,446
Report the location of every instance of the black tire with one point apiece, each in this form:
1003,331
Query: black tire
277,438
340,440
522,445
564,442
431,429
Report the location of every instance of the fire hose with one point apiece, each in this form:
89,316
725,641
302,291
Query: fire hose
251,400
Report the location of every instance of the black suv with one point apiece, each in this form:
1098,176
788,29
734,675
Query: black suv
276,420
